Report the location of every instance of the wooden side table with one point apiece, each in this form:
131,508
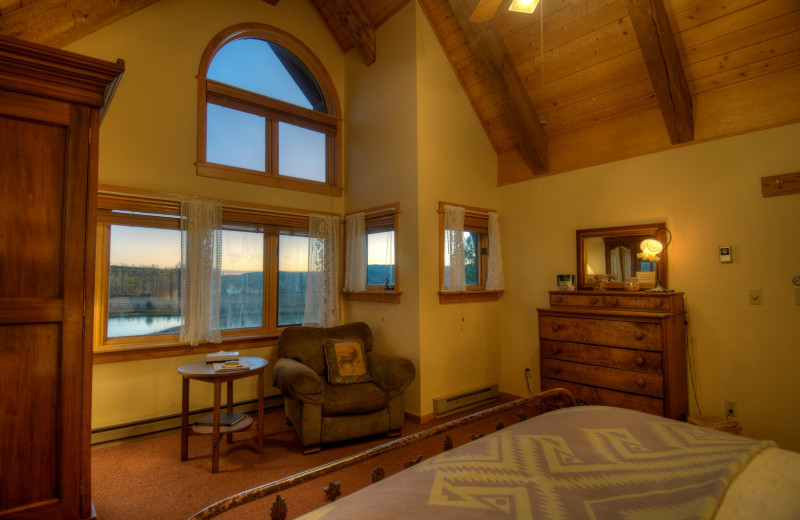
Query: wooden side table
202,371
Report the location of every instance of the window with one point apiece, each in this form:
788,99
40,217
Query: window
138,296
267,112
476,258
382,284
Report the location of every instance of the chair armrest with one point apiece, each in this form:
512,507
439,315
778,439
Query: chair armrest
392,373
297,381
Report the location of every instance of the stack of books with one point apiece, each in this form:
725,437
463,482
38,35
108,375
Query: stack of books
230,366
221,357
225,419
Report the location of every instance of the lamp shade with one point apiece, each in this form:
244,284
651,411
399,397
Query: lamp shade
523,6
651,248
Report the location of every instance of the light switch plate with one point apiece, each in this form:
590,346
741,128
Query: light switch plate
725,254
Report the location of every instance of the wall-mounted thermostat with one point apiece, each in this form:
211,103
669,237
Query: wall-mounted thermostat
725,254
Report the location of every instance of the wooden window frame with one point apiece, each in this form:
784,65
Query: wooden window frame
475,220
274,111
271,220
381,217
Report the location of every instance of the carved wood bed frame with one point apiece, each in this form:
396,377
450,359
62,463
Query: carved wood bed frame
548,400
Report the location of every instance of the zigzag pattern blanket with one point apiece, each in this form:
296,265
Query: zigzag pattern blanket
577,463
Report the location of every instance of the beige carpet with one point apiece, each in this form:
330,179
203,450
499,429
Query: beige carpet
145,479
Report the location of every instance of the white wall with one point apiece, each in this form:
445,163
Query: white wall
709,195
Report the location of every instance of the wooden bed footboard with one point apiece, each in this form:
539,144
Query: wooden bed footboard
548,400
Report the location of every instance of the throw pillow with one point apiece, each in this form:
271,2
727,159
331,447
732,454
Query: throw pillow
347,361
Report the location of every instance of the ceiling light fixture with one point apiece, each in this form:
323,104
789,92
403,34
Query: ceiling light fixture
523,6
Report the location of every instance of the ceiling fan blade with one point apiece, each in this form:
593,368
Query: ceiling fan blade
484,11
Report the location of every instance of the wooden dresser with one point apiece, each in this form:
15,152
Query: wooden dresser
625,349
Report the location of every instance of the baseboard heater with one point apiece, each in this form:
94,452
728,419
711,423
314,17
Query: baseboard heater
171,422
453,403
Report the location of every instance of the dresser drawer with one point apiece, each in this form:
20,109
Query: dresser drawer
605,377
614,333
627,359
643,303
604,397
576,300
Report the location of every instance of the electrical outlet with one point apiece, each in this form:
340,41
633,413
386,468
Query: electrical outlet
528,373
730,408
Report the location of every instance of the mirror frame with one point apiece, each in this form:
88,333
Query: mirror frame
658,229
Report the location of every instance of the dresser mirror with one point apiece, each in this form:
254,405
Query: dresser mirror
612,251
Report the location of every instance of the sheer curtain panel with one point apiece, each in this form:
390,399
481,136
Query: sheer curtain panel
322,298
454,279
355,277
201,261
494,279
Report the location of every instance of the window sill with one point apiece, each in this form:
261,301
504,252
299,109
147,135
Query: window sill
374,296
130,352
469,296
232,173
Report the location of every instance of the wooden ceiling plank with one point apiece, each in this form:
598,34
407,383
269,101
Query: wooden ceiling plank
360,28
745,56
663,62
701,13
728,78
57,23
761,32
8,5
502,74
735,21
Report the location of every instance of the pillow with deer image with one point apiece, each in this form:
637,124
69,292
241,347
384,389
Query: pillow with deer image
347,361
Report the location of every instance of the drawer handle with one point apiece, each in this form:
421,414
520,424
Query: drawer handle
659,303
638,334
556,349
554,327
640,382
639,360
558,299
614,301
593,300
556,370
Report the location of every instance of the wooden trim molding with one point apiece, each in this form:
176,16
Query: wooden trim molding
785,184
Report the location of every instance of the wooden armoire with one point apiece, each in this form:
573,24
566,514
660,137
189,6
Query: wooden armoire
50,104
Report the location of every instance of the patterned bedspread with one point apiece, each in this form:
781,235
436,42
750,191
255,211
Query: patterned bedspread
577,463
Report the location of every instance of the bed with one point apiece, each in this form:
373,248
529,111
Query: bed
587,462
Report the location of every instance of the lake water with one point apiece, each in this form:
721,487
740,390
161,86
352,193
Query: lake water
122,326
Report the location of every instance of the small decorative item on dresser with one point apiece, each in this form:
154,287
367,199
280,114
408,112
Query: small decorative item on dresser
565,282
600,282
631,284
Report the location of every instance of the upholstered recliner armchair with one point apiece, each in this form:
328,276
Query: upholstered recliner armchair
335,387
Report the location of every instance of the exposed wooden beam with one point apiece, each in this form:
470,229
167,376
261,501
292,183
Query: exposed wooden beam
501,74
657,42
57,23
359,26
272,2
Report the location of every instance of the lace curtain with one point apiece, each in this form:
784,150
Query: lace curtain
454,275
322,302
201,262
494,278
355,277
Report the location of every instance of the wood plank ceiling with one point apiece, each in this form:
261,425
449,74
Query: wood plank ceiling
576,83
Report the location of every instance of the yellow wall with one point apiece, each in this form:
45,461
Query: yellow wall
413,138
709,195
382,169
148,140
458,347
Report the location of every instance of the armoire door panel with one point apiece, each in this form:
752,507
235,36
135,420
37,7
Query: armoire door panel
29,408
32,181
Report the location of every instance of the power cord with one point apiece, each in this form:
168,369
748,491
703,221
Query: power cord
689,350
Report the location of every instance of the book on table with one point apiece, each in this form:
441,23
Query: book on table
230,366
225,419
221,357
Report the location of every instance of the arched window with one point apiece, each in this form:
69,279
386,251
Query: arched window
267,112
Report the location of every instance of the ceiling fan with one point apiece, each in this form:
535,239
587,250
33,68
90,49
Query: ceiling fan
486,9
